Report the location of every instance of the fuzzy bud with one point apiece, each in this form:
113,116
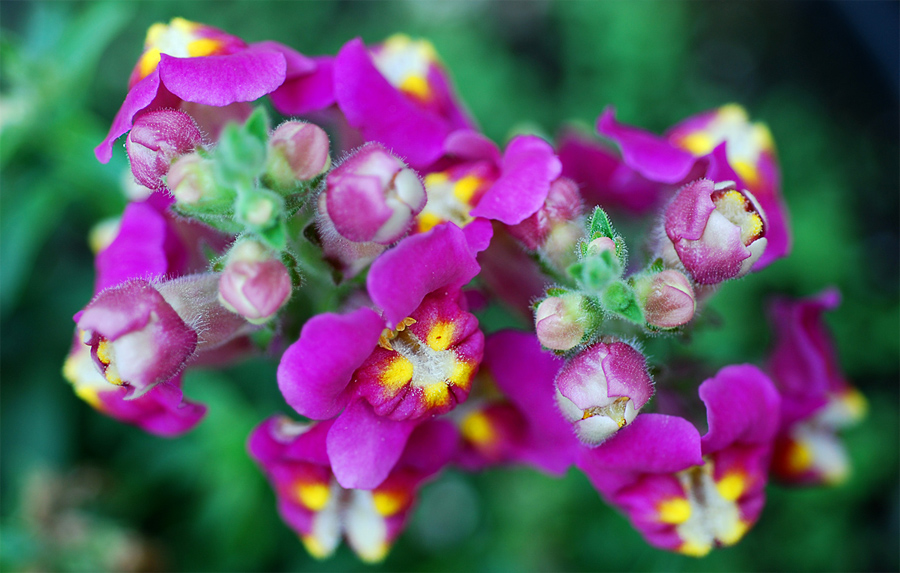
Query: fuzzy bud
373,196
667,298
156,139
562,321
298,151
254,284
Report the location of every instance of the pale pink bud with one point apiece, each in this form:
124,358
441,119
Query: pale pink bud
667,298
561,321
156,139
562,206
373,196
599,245
254,284
602,389
298,151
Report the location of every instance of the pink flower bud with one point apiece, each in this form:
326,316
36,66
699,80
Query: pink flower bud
190,179
667,298
602,389
254,284
599,245
561,321
562,206
714,230
373,196
298,151
157,138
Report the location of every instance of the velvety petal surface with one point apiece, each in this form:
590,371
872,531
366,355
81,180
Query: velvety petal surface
741,407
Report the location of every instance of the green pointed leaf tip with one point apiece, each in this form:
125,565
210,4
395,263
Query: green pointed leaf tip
600,225
619,299
258,125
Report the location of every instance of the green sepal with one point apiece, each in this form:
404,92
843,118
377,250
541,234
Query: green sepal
594,273
241,151
600,225
620,299
656,266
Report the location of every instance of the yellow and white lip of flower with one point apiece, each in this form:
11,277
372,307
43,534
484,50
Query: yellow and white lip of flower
406,63
179,38
747,141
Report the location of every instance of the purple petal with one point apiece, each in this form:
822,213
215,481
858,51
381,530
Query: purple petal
525,374
222,80
478,234
648,154
372,105
138,98
307,92
529,166
314,372
431,446
469,145
652,443
401,277
363,448
741,407
161,411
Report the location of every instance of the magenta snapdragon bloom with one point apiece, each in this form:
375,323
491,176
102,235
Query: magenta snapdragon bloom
724,146
686,493
817,401
715,231
197,64
384,371
398,93
311,501
515,419
162,410
602,389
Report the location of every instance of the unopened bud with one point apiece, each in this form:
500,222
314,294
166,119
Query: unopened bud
667,298
254,284
373,196
298,152
600,245
156,139
191,181
602,389
562,321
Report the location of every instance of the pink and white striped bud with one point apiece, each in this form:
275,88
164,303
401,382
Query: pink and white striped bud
298,151
254,283
562,321
602,389
156,140
373,196
667,298
715,231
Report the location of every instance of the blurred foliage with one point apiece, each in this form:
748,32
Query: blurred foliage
81,493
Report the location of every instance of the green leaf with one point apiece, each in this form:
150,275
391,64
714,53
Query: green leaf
620,299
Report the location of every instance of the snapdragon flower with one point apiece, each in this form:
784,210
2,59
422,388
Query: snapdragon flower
382,372
817,401
686,493
311,501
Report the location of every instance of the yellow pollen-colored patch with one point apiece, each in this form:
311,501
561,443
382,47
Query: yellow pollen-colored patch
698,143
427,221
398,373
148,62
674,510
734,533
440,336
315,547
438,178
733,113
466,187
799,457
376,554
732,486
694,549
461,377
416,86
748,172
313,495
435,395
203,47
89,395
104,352
388,503
856,404
763,137
477,429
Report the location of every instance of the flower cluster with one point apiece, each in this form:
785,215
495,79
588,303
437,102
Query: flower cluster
399,229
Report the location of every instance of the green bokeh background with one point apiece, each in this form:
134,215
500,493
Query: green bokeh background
79,492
